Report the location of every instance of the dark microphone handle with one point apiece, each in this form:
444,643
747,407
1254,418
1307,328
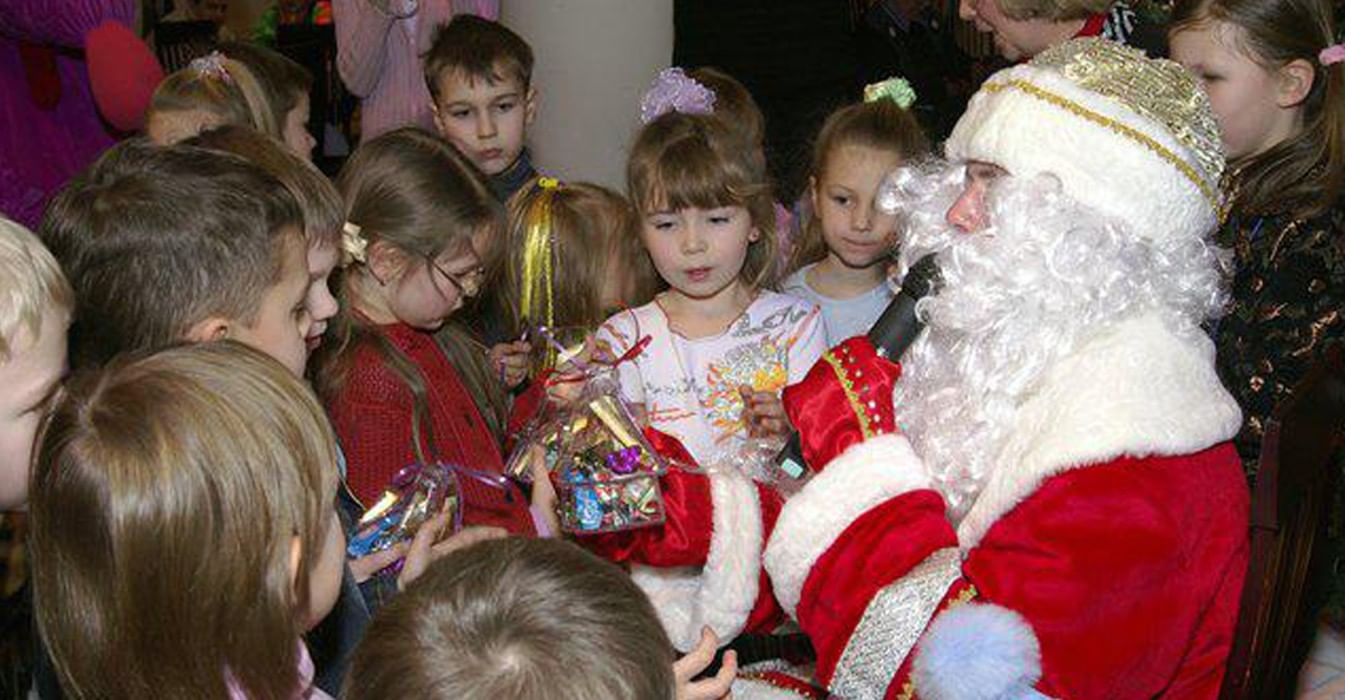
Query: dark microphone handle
790,457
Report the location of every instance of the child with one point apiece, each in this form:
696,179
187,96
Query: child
35,306
184,535
218,248
1276,80
212,91
571,258
320,203
286,85
721,347
841,262
480,74
414,206
526,619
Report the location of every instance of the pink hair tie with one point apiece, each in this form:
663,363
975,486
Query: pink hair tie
1332,54
675,91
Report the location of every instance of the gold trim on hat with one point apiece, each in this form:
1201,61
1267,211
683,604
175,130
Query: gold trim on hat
1211,194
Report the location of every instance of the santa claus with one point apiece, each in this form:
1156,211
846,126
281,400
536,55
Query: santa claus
1041,499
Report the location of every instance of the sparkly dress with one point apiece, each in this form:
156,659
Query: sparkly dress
1288,302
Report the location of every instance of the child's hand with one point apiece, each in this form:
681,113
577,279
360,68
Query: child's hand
687,667
366,566
424,549
510,361
764,413
544,496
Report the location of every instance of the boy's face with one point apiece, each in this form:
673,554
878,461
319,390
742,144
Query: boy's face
283,321
30,378
295,132
322,259
486,121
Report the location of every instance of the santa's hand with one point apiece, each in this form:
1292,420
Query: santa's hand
689,666
845,399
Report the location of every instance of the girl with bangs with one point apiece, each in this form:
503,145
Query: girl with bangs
717,347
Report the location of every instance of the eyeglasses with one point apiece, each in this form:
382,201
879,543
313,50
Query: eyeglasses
467,283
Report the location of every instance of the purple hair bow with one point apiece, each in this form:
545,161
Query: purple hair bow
674,91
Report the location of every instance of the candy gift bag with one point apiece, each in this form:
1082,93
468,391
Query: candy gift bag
416,494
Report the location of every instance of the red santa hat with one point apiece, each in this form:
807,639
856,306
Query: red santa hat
1131,136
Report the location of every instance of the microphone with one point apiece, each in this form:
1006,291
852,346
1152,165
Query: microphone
891,334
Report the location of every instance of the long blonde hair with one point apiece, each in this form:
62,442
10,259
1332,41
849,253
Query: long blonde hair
166,497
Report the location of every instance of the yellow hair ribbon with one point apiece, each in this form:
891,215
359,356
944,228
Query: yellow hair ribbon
537,302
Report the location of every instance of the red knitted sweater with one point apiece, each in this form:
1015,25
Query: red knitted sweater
372,416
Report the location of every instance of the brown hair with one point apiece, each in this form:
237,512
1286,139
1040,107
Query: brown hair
321,204
880,125
1053,10
31,283
694,160
166,495
237,97
529,619
156,239
415,192
282,80
733,103
481,49
1303,175
593,235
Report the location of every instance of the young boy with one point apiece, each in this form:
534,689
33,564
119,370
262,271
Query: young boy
527,619
35,305
479,74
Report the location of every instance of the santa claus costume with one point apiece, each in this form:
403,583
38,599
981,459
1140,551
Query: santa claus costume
1043,499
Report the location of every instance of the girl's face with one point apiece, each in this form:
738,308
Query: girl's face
428,291
857,233
324,580
699,252
1246,95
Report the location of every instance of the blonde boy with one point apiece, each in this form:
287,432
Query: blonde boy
35,306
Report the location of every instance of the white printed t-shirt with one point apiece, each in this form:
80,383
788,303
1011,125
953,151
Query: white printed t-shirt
689,388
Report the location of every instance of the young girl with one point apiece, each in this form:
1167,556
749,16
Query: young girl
413,207
720,347
842,258
183,529
214,90
1275,75
570,259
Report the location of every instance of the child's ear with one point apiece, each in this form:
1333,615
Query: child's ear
438,119
385,261
754,234
530,106
208,330
1295,82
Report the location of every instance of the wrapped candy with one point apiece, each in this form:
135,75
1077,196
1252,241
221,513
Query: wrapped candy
417,493
605,471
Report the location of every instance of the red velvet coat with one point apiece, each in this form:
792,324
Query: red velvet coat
372,417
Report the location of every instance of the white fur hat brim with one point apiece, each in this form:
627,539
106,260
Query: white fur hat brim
1032,120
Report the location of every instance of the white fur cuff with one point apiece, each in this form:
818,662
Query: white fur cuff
864,476
723,592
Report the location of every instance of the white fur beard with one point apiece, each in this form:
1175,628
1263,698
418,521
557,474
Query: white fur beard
1015,299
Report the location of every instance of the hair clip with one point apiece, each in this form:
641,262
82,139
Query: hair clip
1332,54
895,89
675,91
211,65
353,243
548,183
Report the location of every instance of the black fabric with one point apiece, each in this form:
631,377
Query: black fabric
505,184
796,57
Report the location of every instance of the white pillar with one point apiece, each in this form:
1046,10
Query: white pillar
594,60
